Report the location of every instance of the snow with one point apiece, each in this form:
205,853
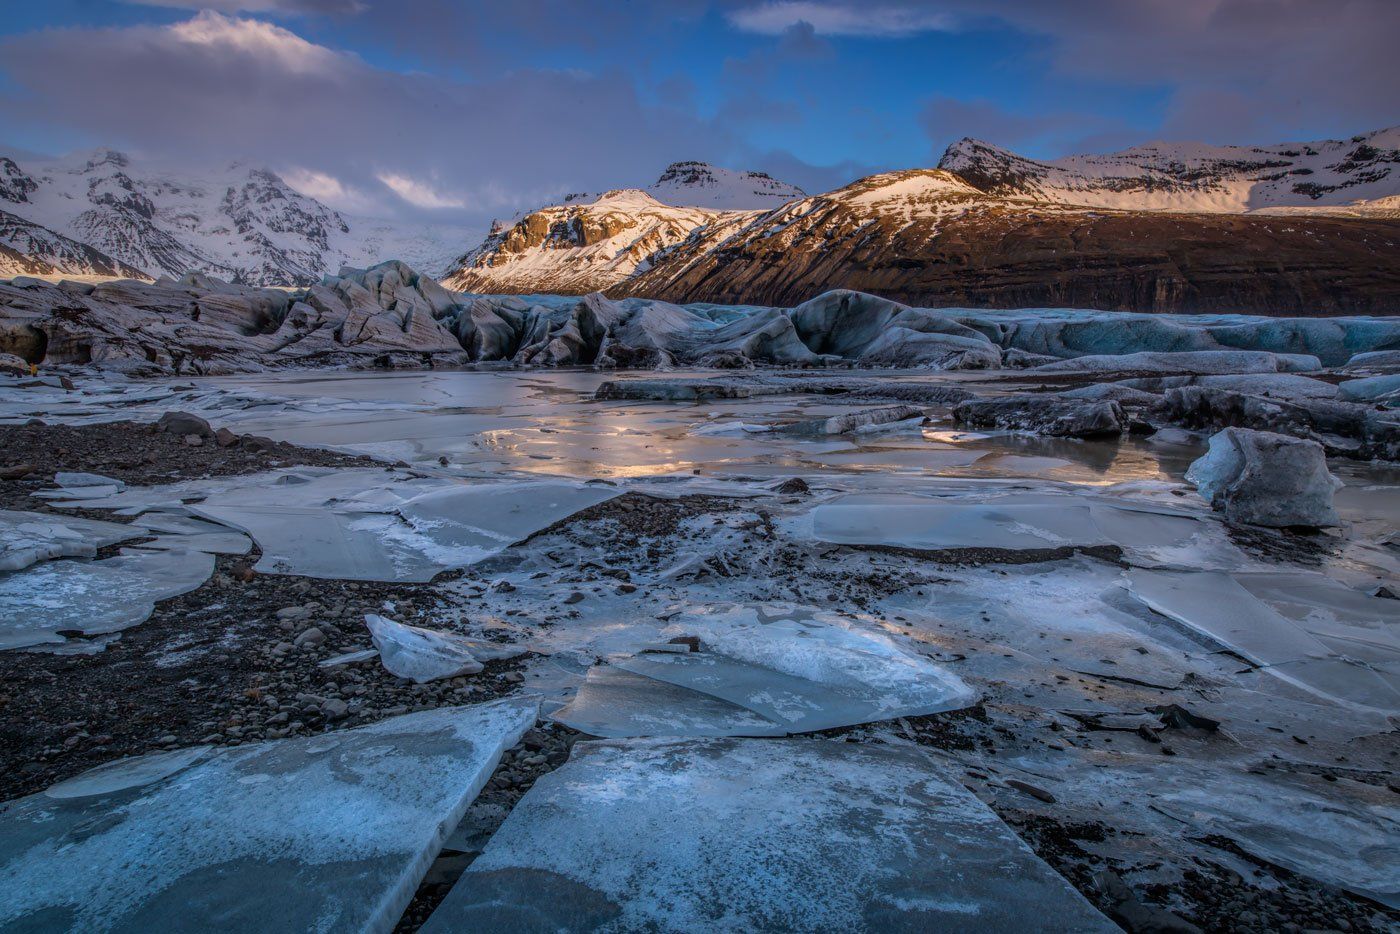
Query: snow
756,835
323,833
1184,176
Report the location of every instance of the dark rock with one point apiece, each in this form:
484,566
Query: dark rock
1043,415
792,486
183,423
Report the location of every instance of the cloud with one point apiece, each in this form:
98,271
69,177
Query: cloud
841,19
326,188
419,193
215,88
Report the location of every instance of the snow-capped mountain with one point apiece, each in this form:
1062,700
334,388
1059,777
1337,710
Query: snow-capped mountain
242,223
929,238
1358,176
700,185
590,242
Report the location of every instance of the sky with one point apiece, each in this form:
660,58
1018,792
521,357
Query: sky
464,111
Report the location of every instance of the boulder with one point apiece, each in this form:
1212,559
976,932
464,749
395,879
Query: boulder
1043,415
1263,478
11,365
184,424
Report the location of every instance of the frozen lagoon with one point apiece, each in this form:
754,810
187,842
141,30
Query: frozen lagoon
1028,575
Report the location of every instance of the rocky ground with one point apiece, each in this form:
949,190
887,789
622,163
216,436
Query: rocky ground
239,660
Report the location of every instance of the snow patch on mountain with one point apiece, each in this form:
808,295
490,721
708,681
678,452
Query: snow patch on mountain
1331,176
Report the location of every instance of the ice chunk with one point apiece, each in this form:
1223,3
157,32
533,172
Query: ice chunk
421,654
29,537
756,835
1268,479
93,596
70,480
801,672
613,702
329,832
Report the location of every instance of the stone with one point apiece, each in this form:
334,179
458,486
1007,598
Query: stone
225,438
1263,478
183,424
1043,415
312,637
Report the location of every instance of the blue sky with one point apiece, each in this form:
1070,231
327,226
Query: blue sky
468,110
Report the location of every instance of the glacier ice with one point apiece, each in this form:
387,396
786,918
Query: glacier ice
421,655
1269,479
329,832
756,835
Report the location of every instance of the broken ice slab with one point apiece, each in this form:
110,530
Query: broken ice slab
1216,606
375,533
90,597
30,537
1011,522
75,480
613,702
756,835
917,522
421,655
797,672
329,832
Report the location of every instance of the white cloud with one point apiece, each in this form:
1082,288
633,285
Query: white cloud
327,189
418,193
224,35
840,19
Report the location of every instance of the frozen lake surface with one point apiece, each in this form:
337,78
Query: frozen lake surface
665,592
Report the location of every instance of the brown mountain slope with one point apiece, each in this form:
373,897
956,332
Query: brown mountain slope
927,238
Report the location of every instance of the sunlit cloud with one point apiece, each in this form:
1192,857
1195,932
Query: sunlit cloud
326,188
418,193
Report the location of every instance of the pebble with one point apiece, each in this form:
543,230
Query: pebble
312,636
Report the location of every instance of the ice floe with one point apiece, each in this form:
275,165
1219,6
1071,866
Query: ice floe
93,597
29,537
329,832
764,671
756,835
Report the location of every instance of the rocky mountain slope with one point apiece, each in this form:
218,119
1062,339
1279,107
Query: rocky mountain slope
104,211
1163,228
930,238
592,241
1358,176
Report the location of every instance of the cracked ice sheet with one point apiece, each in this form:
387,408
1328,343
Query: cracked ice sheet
1343,833
365,524
29,537
446,528
756,835
330,832
1063,616
93,597
798,669
1216,606
1020,522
